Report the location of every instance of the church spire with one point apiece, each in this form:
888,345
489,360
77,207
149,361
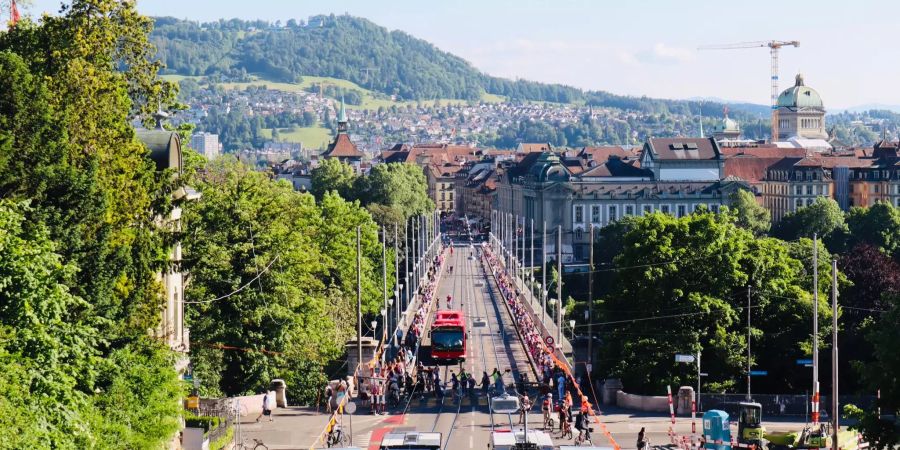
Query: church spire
342,118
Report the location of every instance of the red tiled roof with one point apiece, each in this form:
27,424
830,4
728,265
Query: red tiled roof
684,148
601,154
763,152
749,168
342,147
529,147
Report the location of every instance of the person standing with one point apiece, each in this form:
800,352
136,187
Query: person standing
498,381
266,407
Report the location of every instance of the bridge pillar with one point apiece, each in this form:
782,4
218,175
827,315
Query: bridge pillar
610,387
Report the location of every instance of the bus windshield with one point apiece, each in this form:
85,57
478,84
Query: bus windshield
447,339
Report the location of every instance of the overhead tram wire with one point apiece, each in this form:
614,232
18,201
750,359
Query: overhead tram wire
238,290
465,287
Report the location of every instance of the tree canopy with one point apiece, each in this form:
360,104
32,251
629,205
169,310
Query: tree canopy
80,248
297,260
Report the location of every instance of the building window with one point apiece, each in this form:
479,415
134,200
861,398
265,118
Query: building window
629,210
579,233
648,209
809,190
613,213
579,214
798,189
714,207
664,209
825,190
798,203
595,214
682,211
877,187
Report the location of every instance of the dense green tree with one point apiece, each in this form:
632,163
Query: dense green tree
750,214
877,225
333,176
398,185
881,373
73,84
824,218
665,300
290,321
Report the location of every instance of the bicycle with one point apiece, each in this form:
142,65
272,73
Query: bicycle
566,430
257,445
584,436
548,420
337,438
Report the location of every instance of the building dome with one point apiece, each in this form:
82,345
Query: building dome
800,96
729,124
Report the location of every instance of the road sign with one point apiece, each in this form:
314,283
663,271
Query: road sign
684,358
590,367
350,408
549,340
758,373
704,374
804,362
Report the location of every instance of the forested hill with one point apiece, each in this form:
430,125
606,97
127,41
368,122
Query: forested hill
346,47
390,62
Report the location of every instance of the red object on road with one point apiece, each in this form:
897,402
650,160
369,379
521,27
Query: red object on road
448,336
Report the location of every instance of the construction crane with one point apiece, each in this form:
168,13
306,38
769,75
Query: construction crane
773,46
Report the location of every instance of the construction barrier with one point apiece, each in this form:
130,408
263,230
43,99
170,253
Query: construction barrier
671,415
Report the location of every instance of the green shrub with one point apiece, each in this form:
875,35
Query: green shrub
205,422
222,441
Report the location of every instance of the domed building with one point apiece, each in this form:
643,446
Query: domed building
727,130
801,114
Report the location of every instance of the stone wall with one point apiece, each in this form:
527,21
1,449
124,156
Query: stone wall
655,403
251,404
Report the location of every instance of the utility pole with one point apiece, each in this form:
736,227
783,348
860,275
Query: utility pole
515,249
531,263
591,299
384,277
559,285
405,264
359,360
396,278
835,405
544,287
748,343
815,336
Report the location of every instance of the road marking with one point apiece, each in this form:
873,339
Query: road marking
471,442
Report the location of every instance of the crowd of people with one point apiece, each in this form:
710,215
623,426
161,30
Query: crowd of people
531,334
551,373
427,293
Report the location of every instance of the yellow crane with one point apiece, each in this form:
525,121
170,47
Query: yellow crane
773,46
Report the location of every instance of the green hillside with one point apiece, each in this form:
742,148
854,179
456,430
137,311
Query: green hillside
352,52
344,47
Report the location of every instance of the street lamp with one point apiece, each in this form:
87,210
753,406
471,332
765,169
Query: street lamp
572,325
374,324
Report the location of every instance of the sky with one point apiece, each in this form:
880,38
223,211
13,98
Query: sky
636,47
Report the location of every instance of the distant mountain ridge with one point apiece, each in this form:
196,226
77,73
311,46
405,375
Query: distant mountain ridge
391,62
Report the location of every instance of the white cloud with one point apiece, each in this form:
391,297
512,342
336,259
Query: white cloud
665,54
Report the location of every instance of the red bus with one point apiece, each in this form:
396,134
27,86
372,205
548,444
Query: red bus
448,336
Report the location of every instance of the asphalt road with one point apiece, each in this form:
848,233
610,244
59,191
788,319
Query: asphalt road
465,423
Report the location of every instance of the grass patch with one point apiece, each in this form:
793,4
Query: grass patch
310,137
370,100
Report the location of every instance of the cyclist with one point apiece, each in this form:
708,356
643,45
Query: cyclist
526,406
565,428
581,424
545,408
449,301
